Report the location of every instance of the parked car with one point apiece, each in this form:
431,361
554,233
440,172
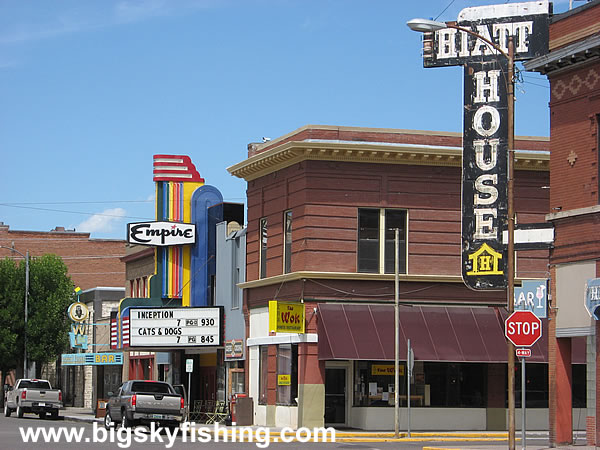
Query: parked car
143,402
32,396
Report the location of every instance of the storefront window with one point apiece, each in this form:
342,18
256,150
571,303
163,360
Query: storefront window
263,374
374,383
287,374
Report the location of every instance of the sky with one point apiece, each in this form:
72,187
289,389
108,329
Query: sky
90,90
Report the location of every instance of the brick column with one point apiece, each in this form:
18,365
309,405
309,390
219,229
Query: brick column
564,395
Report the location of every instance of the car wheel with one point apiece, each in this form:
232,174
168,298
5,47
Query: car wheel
42,415
20,412
108,420
54,415
127,422
7,410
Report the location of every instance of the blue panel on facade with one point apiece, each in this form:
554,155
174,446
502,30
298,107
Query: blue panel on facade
203,252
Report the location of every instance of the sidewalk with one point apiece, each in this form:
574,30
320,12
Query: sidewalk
444,440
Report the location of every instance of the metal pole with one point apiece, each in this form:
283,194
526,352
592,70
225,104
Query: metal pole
523,408
510,292
189,399
408,375
396,336
25,362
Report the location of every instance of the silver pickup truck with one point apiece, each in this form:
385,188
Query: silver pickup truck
32,396
142,402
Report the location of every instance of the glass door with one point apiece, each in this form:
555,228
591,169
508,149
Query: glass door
335,396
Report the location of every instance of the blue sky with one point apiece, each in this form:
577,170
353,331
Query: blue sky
91,90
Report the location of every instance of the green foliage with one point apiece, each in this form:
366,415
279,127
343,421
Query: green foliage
50,293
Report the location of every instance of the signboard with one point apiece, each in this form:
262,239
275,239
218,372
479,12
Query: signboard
78,340
161,234
523,352
484,179
189,365
286,317
234,349
523,328
284,380
386,369
527,22
592,298
78,312
176,327
532,296
91,359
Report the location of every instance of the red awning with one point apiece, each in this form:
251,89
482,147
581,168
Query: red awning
453,334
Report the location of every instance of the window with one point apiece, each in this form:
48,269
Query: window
287,243
376,231
287,374
263,247
263,374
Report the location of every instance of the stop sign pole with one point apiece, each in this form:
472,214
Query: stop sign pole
523,329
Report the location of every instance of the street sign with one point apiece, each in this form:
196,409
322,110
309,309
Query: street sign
532,296
189,365
523,352
523,328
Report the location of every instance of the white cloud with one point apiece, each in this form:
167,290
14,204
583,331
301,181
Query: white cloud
103,222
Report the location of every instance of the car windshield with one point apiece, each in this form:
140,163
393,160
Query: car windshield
34,384
153,388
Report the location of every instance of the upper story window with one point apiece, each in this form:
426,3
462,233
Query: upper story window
263,247
376,231
287,243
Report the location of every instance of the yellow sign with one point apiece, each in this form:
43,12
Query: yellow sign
485,261
286,317
386,369
284,380
105,358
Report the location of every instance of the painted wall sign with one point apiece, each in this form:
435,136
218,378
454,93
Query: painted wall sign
161,234
176,327
484,179
286,317
91,359
527,22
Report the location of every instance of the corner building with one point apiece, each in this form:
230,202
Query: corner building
323,203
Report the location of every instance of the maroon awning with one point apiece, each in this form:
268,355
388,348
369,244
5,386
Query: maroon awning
453,334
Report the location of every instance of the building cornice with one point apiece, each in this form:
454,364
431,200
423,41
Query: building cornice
292,152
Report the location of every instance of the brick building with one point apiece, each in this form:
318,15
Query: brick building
573,69
322,205
91,262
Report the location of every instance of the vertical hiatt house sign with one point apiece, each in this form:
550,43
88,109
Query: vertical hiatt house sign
485,126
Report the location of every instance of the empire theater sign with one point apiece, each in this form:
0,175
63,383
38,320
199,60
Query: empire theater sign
485,133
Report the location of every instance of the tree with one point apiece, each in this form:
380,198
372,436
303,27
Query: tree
50,293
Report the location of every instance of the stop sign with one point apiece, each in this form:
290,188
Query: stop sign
523,328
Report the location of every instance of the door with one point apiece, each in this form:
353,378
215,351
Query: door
335,396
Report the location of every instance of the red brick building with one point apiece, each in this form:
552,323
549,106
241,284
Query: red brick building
91,262
322,205
573,69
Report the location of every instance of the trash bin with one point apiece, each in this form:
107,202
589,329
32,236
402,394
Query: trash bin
244,410
101,408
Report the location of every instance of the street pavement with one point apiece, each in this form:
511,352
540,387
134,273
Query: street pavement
443,440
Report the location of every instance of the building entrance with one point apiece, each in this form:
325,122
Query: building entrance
335,396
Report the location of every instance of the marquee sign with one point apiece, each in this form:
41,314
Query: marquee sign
161,234
176,327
